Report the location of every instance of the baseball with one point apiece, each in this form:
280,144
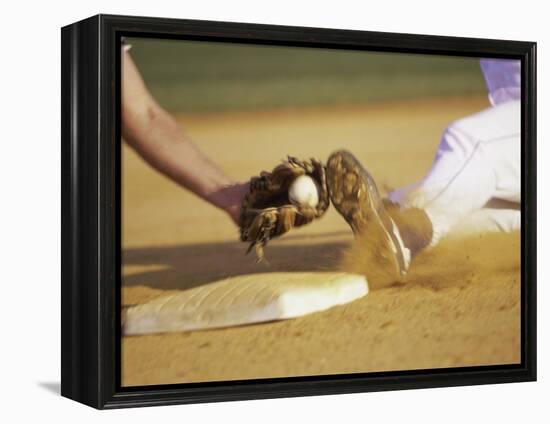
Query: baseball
304,192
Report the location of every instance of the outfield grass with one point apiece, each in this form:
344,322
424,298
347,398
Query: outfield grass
188,76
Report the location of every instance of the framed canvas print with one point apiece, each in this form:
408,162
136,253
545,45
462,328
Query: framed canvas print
254,211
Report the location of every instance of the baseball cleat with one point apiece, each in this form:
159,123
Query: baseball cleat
355,196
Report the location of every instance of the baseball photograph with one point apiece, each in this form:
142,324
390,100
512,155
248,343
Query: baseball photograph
299,211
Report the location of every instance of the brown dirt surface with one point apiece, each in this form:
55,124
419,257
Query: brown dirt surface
459,305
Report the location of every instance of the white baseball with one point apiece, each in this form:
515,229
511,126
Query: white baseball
304,192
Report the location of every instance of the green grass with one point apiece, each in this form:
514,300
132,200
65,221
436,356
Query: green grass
188,76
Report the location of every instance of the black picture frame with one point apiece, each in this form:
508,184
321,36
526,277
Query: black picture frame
91,223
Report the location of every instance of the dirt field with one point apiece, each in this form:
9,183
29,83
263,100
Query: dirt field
460,306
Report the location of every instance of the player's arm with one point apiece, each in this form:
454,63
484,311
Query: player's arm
161,142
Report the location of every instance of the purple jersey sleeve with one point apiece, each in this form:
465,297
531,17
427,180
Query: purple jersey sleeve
503,78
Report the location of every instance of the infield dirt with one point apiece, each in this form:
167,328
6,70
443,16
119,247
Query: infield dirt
459,306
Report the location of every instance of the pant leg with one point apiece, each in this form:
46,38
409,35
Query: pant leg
489,220
478,159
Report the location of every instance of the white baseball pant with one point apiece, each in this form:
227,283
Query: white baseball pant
477,162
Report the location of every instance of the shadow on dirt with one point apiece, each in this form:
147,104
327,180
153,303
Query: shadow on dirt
185,266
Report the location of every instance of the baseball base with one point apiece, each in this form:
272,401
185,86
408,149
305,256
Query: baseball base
245,299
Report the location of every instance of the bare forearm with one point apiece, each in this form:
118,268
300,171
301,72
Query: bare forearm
162,143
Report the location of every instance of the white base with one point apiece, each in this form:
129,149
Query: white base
245,299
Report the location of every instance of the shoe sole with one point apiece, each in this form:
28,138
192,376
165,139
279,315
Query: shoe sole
355,196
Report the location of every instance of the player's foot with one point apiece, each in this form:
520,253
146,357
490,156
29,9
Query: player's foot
355,196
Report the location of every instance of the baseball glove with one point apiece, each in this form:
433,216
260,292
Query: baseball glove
266,211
